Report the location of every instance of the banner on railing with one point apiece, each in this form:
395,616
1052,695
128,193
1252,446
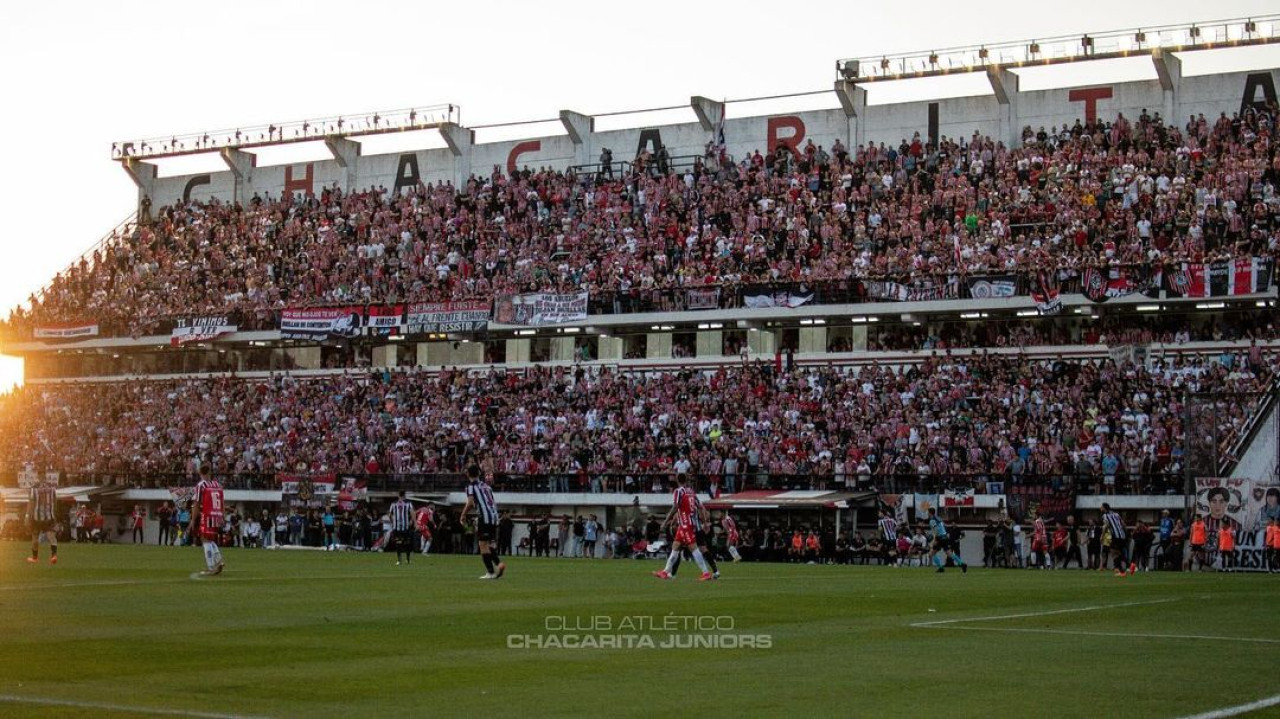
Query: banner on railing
385,320
897,504
540,308
66,332
775,299
200,329
703,298
441,317
1100,285
321,323
993,287
1045,293
1248,507
922,503
1025,503
351,491
307,490
899,292
1227,278
958,497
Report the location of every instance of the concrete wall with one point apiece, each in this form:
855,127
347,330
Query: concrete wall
889,123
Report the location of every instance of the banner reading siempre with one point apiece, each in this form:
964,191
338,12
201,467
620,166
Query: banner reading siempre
200,329
1246,505
441,317
66,332
540,308
320,323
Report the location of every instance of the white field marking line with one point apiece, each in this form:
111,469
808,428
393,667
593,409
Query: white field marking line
1236,710
14,699
1093,608
1135,635
223,578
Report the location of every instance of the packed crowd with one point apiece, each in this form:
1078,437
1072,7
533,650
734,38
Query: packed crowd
1116,330
948,415
1126,191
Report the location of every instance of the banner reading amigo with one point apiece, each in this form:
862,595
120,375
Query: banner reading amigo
540,308
441,317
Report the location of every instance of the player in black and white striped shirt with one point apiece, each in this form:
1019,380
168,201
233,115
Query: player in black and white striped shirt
480,497
42,505
889,536
400,515
1119,538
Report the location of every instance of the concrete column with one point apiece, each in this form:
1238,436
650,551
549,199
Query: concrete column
580,128
813,339
658,345
347,155
710,343
435,354
709,112
562,349
518,351
460,141
469,353
241,165
304,357
762,342
1005,85
853,100
1169,70
859,339
610,348
144,176
385,356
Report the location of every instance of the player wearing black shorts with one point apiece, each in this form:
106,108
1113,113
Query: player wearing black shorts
41,513
401,517
480,496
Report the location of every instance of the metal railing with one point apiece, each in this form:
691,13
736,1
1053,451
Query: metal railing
370,123
658,482
1063,48
1246,434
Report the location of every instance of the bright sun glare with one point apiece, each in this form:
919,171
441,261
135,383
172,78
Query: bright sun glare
10,372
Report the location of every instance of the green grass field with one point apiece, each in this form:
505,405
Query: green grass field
309,634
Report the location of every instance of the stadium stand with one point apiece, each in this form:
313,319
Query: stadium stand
947,420
1130,192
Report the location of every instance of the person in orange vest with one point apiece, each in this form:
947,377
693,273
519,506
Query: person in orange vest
812,547
1273,546
1197,542
1227,547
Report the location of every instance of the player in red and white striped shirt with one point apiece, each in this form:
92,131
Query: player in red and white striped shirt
425,521
731,535
206,519
684,507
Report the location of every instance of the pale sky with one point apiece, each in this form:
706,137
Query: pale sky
78,76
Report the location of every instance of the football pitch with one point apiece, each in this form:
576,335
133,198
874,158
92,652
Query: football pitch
116,631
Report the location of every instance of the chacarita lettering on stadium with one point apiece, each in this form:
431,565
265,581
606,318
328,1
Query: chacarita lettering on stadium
1001,114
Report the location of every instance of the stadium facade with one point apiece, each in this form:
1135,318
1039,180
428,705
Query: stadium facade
812,324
